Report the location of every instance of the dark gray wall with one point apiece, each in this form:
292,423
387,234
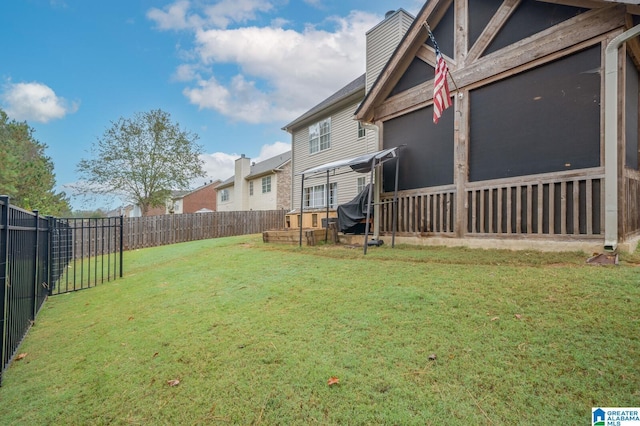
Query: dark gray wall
427,159
544,120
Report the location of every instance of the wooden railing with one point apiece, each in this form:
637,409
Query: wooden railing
554,204
568,203
424,211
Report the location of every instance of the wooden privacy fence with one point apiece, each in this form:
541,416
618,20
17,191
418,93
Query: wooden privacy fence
151,231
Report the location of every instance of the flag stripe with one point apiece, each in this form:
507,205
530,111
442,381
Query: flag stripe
441,94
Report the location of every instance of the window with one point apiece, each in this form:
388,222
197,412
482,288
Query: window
250,188
315,196
224,195
361,131
362,182
320,136
266,184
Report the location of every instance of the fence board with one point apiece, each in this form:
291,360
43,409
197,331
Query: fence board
151,231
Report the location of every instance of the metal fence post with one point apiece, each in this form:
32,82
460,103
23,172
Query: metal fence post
121,241
4,270
51,232
36,263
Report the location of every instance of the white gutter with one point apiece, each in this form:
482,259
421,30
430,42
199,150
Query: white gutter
611,137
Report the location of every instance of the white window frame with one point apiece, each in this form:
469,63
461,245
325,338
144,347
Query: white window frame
250,188
315,196
224,195
266,184
362,132
362,183
320,136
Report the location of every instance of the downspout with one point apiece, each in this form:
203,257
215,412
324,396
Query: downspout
611,137
376,192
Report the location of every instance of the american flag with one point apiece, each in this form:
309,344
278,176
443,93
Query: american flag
441,95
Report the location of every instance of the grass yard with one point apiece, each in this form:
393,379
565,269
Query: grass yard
253,333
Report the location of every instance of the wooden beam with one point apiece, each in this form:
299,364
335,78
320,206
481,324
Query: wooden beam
633,45
426,54
432,12
493,28
461,171
460,33
591,4
546,46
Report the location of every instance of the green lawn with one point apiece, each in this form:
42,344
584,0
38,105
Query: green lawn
253,332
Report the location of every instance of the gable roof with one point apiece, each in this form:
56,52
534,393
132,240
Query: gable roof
351,89
269,165
181,194
412,43
227,182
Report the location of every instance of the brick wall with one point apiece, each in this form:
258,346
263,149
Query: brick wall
201,198
284,188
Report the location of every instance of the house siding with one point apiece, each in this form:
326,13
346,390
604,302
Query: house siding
202,198
260,200
382,40
226,206
344,144
247,174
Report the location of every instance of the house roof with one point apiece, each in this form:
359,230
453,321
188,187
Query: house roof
269,165
227,182
181,194
356,86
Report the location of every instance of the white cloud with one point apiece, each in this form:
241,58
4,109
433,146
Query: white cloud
225,12
178,15
268,151
174,16
186,72
35,102
283,72
220,165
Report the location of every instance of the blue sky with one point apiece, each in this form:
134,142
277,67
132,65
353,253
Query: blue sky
232,71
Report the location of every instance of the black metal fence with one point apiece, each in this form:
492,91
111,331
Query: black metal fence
41,256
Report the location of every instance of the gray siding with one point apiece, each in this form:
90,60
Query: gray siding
382,41
344,144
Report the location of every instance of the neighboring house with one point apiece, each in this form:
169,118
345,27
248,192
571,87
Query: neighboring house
540,146
127,211
328,132
257,186
193,201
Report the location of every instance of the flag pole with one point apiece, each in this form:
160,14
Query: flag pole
448,71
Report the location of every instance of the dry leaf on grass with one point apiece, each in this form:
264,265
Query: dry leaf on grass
518,316
333,381
21,356
495,318
433,357
174,382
